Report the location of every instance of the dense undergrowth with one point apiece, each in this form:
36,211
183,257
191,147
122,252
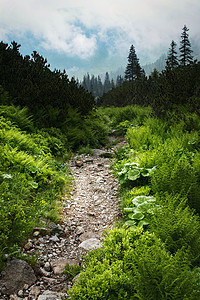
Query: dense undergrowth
156,253
31,182
33,168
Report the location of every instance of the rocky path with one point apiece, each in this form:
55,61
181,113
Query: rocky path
91,207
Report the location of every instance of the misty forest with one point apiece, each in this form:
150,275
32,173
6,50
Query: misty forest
48,119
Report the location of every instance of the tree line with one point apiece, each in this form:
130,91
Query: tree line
97,86
48,94
178,84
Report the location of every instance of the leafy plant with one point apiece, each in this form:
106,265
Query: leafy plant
139,214
127,195
133,264
71,271
20,117
31,182
122,127
130,171
85,150
177,225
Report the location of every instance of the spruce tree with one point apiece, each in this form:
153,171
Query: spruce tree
185,48
119,80
133,69
99,86
107,84
172,60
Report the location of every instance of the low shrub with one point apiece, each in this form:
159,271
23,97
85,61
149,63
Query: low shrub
135,265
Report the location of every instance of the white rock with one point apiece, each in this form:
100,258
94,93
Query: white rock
79,230
36,233
47,266
54,239
90,244
49,295
20,293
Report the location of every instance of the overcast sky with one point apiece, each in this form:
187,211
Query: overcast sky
95,35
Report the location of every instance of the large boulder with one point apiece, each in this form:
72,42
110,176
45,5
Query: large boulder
15,276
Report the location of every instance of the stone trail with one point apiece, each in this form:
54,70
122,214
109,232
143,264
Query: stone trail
91,208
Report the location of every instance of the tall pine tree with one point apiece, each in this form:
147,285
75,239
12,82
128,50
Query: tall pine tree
133,69
172,60
185,48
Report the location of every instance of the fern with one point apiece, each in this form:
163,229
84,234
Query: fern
18,116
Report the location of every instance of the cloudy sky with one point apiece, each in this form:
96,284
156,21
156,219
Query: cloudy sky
95,35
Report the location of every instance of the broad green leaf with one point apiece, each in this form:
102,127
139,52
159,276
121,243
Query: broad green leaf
6,176
152,170
33,184
131,215
130,222
137,216
145,172
145,206
123,171
131,164
141,199
142,223
129,209
133,174
122,179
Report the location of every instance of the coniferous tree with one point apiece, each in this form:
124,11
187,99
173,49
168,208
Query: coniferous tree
185,48
84,83
99,86
107,84
112,84
172,60
119,80
133,69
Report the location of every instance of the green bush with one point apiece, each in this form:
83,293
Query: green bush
135,265
130,173
54,139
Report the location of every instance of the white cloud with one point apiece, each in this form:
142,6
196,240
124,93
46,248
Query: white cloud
75,27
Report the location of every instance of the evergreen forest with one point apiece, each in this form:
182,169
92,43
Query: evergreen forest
46,117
